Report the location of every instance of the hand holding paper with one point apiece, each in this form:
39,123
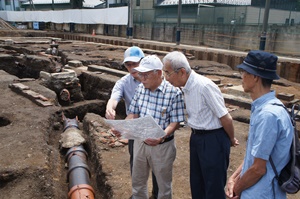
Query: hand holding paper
140,128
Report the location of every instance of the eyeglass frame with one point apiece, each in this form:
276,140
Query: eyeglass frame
145,75
171,73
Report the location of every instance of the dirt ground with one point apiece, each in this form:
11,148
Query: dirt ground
31,164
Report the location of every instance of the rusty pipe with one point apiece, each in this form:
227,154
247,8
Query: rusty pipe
83,191
79,174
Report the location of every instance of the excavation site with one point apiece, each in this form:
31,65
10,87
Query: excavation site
54,143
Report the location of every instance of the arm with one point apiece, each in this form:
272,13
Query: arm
227,124
117,93
111,109
251,176
232,180
170,129
129,116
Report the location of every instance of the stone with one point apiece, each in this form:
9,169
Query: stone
31,94
71,137
75,63
216,81
66,74
19,86
103,69
43,103
9,42
45,75
285,96
237,91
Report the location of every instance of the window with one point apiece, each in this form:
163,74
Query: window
7,2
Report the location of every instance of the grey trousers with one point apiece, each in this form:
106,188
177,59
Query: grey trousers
160,159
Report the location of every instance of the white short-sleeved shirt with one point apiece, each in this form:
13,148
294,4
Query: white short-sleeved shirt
204,102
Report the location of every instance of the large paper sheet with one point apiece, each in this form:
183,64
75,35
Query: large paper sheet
140,128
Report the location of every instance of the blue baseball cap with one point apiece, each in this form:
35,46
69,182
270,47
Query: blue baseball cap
260,63
133,54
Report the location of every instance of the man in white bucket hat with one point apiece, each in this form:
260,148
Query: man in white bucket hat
124,89
164,102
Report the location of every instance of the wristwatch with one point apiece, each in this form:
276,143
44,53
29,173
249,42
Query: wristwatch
162,139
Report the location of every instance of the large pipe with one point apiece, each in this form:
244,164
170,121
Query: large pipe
78,170
79,174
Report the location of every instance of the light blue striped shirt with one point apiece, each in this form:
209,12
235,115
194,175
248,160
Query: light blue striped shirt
270,133
125,88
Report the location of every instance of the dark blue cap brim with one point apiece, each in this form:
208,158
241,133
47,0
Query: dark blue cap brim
258,72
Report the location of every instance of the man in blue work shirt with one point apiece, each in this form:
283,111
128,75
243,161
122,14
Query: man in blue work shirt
125,89
270,132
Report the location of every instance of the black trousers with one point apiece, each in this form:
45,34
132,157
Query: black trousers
209,160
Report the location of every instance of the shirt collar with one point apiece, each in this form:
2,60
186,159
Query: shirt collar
262,100
133,79
163,86
189,82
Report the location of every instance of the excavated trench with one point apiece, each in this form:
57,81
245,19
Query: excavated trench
59,78
49,71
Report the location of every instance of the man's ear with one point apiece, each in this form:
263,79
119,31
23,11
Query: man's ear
182,71
256,78
160,72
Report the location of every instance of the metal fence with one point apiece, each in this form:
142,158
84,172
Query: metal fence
195,14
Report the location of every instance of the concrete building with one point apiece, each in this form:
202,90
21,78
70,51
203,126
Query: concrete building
11,5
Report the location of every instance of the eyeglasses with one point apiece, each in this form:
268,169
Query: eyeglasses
167,74
145,75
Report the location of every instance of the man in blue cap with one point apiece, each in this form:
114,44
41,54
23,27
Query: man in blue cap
270,132
125,89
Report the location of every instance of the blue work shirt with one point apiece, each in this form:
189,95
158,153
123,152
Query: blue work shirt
125,89
270,133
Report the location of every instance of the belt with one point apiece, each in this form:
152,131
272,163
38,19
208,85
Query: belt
201,132
166,139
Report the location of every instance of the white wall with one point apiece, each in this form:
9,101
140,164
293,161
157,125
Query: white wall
111,16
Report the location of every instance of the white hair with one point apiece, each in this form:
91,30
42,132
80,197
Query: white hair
177,60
